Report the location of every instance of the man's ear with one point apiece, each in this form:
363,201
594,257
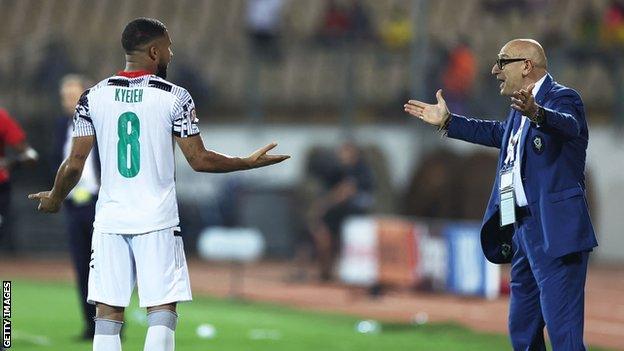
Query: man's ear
153,53
528,67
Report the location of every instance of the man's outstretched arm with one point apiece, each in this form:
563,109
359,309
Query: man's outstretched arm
202,160
67,176
487,133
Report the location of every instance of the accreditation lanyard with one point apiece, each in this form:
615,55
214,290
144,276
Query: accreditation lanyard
513,144
507,196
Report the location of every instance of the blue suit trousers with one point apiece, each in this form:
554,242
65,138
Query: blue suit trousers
545,291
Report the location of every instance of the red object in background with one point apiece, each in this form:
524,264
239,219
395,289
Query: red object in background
504,286
614,16
461,71
10,134
336,21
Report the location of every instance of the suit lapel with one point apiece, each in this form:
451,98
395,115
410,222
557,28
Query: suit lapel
525,131
539,99
546,86
507,135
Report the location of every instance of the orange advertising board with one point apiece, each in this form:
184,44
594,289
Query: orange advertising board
397,252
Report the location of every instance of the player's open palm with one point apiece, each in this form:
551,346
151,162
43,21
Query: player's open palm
260,158
433,114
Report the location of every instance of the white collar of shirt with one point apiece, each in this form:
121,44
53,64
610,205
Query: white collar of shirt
538,85
513,154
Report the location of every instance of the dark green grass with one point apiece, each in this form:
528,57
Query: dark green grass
45,317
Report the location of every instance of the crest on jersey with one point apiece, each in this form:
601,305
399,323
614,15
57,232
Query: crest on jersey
538,145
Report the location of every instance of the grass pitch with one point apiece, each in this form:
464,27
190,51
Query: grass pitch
46,317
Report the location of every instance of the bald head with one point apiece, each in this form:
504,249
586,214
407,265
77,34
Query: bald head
521,62
528,48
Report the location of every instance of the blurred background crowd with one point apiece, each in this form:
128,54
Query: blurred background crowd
326,79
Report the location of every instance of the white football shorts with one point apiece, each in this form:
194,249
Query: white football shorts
154,261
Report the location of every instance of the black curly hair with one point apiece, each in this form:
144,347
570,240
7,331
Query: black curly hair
141,31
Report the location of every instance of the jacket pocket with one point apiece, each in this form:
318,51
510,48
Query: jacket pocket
565,194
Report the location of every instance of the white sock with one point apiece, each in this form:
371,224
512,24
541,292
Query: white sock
106,343
106,336
161,331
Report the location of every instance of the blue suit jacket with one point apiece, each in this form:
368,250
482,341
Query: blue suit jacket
553,163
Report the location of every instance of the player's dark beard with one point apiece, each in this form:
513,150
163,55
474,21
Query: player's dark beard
162,71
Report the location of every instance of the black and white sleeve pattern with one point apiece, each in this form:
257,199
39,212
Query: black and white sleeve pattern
184,115
83,125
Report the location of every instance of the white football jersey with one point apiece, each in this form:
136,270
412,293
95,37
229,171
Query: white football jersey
134,117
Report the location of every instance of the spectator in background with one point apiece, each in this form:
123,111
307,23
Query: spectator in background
80,204
458,77
264,19
263,29
336,24
348,191
589,26
397,32
345,23
12,135
612,31
55,63
361,28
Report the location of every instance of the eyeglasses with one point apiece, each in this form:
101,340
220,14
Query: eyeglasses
501,62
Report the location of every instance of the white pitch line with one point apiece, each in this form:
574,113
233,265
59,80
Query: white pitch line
31,338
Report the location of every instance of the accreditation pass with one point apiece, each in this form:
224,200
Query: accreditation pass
507,198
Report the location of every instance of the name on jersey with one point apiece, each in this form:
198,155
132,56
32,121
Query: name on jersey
128,95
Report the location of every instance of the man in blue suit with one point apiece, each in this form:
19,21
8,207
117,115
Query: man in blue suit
537,217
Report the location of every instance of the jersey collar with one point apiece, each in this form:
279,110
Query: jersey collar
133,74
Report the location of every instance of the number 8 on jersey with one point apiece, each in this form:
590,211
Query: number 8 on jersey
128,146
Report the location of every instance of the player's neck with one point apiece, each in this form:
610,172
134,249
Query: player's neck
133,68
136,65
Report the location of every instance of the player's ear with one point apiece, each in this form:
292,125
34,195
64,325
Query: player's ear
153,53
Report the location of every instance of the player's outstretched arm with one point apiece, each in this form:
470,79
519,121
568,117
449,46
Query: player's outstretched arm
436,115
202,160
67,176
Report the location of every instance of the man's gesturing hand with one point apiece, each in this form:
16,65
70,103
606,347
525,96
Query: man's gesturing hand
523,101
47,203
260,158
436,115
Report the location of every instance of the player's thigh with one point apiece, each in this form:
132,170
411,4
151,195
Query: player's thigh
162,273
111,270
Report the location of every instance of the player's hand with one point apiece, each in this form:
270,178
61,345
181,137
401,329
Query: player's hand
47,203
436,115
260,158
523,101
